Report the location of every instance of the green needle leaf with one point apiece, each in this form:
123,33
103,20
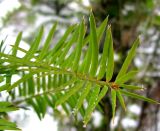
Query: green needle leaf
132,87
1,78
92,103
121,100
17,42
110,62
7,107
68,94
87,61
26,77
34,45
113,97
126,77
6,125
79,46
100,31
68,46
60,43
105,55
47,42
94,46
102,93
94,100
128,59
35,107
4,87
83,95
136,96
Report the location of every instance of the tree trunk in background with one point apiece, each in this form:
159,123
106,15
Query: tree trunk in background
150,115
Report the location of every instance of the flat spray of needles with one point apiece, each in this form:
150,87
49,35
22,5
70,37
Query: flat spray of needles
63,77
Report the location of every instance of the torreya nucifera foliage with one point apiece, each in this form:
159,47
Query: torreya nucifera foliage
66,77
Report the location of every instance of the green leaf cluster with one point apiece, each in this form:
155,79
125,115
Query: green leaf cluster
5,124
69,74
